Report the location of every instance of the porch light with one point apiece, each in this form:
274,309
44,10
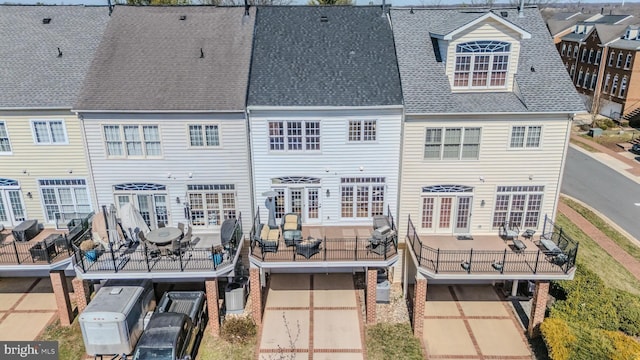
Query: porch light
466,266
328,192
177,200
30,195
482,203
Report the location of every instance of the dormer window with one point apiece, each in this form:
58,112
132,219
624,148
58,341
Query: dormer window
481,64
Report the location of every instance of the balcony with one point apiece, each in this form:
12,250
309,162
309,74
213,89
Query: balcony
489,257
338,246
47,249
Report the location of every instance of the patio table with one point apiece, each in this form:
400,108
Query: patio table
164,236
26,230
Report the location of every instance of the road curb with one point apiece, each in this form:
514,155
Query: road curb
624,173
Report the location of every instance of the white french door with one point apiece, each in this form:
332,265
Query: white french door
304,201
152,207
446,214
12,210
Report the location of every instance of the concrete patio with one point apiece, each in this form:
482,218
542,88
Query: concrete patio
315,315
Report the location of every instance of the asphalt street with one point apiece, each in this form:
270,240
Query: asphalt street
604,189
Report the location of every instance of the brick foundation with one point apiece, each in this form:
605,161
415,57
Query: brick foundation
370,302
213,305
419,300
82,293
256,295
61,292
538,308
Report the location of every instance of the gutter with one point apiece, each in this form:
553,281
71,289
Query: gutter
287,108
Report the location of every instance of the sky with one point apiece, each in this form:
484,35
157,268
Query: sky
358,2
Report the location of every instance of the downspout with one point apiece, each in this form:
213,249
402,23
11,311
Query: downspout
562,165
94,190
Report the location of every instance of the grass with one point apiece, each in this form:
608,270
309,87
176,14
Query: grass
70,343
627,245
392,341
214,348
594,257
583,145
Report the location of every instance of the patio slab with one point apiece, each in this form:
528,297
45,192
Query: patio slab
38,301
16,285
335,290
7,301
498,337
337,356
447,337
13,327
285,355
336,329
476,293
440,302
289,290
275,335
483,308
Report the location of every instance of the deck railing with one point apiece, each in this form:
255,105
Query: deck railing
139,259
491,261
29,253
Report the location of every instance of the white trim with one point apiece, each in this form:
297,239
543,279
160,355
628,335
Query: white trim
6,130
568,112
48,121
291,108
204,138
156,111
123,141
524,34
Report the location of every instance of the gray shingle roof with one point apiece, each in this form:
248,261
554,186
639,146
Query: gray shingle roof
608,32
299,60
426,88
31,73
149,59
626,44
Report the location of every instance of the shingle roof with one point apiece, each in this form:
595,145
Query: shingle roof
32,75
150,59
608,32
300,60
626,44
426,87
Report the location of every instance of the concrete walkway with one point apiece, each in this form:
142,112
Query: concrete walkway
27,306
471,322
312,317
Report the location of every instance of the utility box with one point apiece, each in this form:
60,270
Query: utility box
383,287
595,132
234,297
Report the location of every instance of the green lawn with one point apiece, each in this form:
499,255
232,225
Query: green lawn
594,257
392,341
584,146
212,348
70,343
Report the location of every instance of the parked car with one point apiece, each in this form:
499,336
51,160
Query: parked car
175,329
636,149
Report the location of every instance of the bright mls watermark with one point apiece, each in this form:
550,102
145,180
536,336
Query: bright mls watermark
40,350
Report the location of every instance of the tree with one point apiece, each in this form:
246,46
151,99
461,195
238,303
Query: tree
330,2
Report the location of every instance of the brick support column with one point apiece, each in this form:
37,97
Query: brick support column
213,305
61,293
538,308
256,295
372,277
82,293
419,300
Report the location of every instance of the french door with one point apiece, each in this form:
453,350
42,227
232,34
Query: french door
446,214
12,210
304,201
152,207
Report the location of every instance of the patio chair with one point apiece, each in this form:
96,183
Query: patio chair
509,231
181,227
268,239
227,232
161,224
186,243
152,249
291,229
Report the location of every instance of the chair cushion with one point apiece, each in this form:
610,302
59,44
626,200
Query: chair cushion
291,218
274,235
264,233
290,226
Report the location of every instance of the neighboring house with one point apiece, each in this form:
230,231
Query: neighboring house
325,117
163,113
45,53
488,110
600,71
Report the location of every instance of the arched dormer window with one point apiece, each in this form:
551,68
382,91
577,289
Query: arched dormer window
481,64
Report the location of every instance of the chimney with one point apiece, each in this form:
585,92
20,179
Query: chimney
521,9
601,11
383,5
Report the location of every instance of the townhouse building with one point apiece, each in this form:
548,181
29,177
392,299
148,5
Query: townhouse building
46,52
488,110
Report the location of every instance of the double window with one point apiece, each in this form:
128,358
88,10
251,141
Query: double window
362,130
294,135
525,137
619,62
518,205
64,196
209,205
598,56
606,83
627,63
49,132
204,136
623,87
611,57
452,143
481,64
5,144
136,141
614,86
362,197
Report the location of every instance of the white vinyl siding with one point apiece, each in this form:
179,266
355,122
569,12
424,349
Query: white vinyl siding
452,143
49,132
132,141
496,166
5,143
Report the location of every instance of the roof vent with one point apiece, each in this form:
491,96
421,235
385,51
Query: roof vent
323,18
59,52
504,14
183,17
115,291
46,20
